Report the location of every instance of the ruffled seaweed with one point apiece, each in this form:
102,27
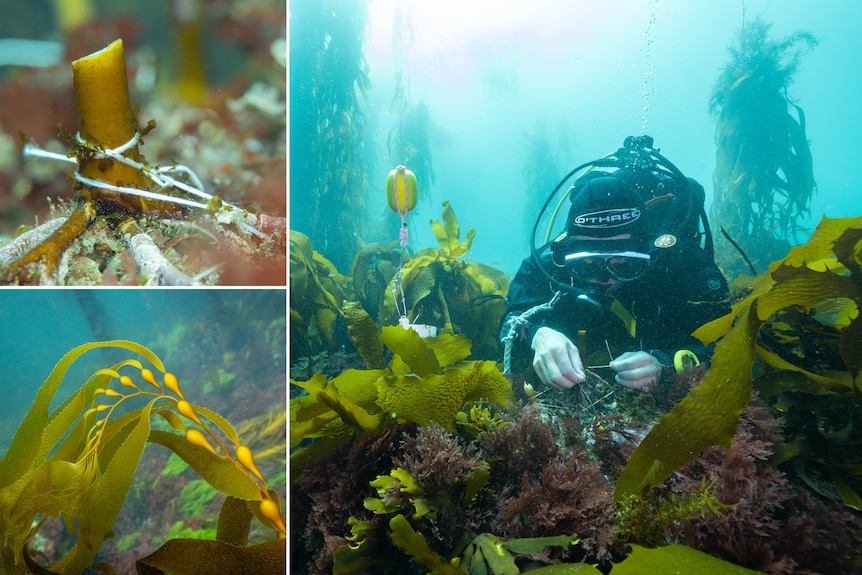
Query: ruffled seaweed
426,381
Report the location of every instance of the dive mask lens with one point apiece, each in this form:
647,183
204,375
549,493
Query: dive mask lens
624,266
586,266
628,268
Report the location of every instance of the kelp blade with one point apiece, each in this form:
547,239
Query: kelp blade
209,557
29,441
110,493
27,459
707,416
672,560
64,463
220,473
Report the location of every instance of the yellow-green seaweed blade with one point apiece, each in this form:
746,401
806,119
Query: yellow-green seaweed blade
220,473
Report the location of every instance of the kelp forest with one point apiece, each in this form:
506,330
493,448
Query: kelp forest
328,75
764,175
414,453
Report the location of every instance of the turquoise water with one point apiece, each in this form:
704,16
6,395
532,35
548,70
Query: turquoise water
195,332
477,82
588,74
227,349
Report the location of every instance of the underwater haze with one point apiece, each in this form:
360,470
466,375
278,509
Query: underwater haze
224,356
583,75
195,332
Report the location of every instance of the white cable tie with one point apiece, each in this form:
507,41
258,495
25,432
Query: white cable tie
165,181
136,138
109,152
187,188
35,151
154,174
186,170
137,192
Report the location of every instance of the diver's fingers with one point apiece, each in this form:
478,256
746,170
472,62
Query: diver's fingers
638,370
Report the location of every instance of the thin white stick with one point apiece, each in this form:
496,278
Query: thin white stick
153,264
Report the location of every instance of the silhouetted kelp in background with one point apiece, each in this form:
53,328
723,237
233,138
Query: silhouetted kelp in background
763,179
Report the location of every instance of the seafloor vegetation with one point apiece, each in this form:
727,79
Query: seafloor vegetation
212,102
412,455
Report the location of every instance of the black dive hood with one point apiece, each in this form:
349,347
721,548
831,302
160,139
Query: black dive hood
638,162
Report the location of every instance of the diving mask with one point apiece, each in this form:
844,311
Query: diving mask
622,266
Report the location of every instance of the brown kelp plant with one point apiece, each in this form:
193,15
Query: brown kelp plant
76,463
439,286
764,176
328,74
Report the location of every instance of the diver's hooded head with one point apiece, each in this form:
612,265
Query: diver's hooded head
606,214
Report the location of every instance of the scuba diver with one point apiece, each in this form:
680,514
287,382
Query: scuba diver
632,275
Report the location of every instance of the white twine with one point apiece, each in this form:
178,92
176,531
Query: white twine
155,174
227,213
515,323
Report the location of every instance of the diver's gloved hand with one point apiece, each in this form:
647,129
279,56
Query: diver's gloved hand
637,369
556,359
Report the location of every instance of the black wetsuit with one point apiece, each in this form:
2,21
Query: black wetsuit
682,290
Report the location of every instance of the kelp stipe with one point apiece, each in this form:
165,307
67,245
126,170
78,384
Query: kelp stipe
78,462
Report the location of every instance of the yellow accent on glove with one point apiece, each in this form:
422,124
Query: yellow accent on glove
684,359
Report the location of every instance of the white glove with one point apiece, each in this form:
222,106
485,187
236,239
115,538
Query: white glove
556,359
637,369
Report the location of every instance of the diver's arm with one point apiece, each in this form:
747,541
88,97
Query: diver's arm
528,289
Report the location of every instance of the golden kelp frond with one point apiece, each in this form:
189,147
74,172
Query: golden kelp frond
457,296
673,558
363,333
315,289
372,269
449,349
79,459
448,234
200,556
837,312
332,412
426,381
708,416
411,350
440,397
